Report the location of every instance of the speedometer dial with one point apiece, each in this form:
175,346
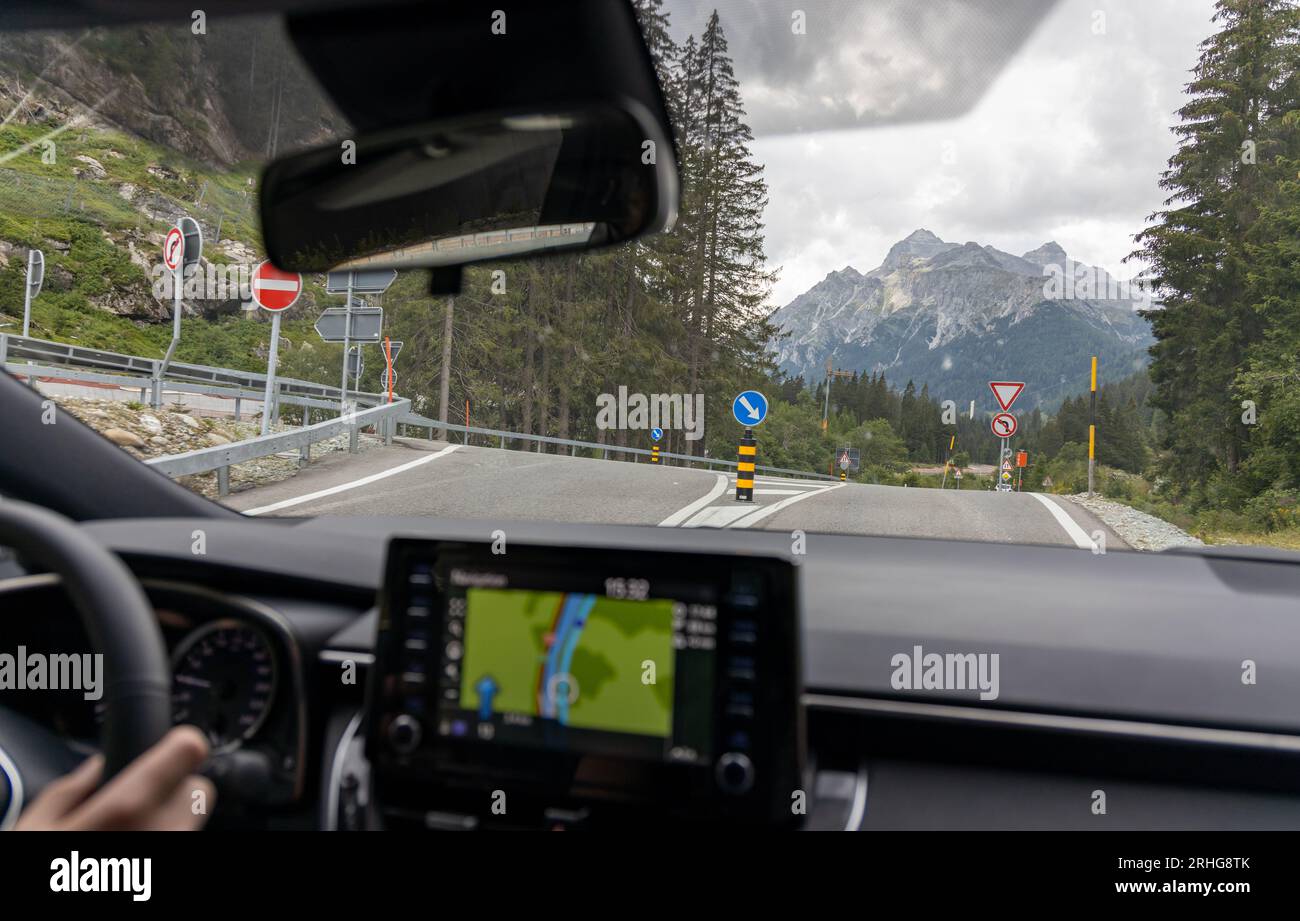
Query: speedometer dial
223,682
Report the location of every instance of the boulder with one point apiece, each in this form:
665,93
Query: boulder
123,439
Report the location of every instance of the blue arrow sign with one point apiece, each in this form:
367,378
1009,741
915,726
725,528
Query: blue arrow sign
749,408
656,434
487,689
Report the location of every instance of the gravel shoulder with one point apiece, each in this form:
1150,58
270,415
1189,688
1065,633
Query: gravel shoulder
1138,529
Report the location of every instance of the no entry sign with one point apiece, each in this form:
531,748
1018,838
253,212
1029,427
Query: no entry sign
274,289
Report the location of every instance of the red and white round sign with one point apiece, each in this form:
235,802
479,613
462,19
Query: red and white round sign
1004,425
275,289
173,248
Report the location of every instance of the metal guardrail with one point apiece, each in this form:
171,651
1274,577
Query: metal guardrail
221,457
23,356
417,421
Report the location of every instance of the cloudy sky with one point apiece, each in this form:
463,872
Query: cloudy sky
1007,122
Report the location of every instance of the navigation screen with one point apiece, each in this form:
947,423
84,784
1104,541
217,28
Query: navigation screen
577,659
577,671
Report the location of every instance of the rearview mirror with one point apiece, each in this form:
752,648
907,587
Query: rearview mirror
549,136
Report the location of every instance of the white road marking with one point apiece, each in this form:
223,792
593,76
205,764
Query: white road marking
1077,534
719,487
351,484
778,492
760,513
718,516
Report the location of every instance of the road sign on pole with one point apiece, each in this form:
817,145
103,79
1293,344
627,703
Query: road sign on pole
367,325
656,434
1004,425
362,281
356,363
35,276
275,289
173,249
749,408
192,238
182,248
1006,392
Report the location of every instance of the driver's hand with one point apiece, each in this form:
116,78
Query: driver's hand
156,791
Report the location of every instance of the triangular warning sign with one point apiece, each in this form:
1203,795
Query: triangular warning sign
1005,392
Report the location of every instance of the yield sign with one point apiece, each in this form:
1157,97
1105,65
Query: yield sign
275,289
1005,392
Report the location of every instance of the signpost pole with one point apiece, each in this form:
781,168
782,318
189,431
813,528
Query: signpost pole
1092,427
270,374
388,360
27,298
347,332
747,455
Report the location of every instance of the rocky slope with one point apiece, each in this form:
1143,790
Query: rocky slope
144,433
955,316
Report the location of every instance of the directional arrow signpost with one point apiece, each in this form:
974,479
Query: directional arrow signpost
749,409
364,281
367,324
350,282
276,291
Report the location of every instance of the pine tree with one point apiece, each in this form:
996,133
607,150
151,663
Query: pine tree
1226,164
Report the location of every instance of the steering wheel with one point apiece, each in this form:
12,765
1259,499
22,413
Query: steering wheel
122,627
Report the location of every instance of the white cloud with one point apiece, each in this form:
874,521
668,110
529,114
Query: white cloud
1066,143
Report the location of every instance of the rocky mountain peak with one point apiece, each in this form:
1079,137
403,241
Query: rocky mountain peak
1050,253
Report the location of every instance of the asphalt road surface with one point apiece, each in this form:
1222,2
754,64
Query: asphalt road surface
417,477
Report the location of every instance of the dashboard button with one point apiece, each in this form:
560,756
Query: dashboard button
735,773
404,734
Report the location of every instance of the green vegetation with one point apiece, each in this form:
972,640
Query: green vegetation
1209,440
1223,257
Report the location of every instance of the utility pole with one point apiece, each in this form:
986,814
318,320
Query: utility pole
444,383
831,374
1092,427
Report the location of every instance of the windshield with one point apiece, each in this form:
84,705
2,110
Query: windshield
998,271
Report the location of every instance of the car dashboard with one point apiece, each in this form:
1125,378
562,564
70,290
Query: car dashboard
1120,699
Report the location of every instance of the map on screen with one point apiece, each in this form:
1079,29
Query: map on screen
578,659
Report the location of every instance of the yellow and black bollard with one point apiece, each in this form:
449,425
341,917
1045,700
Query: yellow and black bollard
844,474
654,454
745,467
